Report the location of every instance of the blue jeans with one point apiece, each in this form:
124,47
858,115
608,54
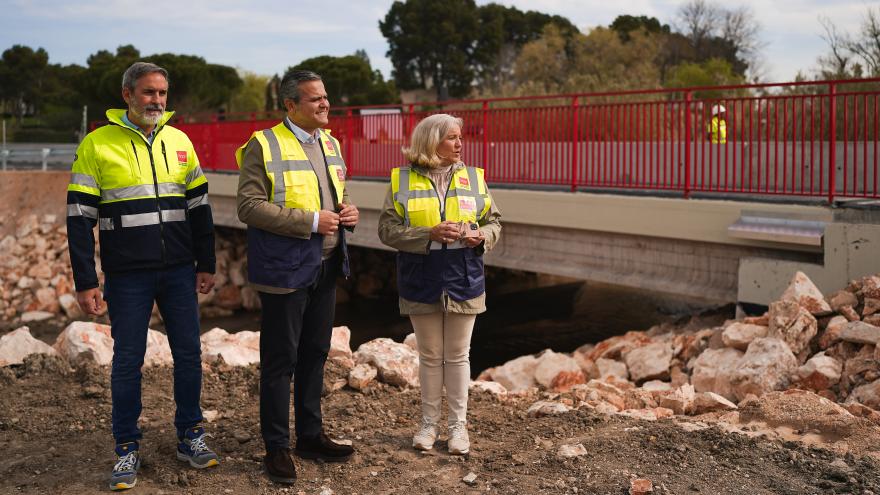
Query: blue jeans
130,299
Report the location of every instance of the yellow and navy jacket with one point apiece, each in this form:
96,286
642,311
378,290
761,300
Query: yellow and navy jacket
149,200
451,269
280,261
717,128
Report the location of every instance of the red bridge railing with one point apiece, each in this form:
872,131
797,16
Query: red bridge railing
810,139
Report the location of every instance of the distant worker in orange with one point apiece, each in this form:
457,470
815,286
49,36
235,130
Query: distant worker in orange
716,130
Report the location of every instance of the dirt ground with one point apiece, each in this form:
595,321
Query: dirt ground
55,438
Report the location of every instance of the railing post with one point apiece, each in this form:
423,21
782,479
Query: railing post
348,137
574,143
832,145
687,143
485,163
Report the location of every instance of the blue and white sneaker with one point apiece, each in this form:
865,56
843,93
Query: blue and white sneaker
192,449
128,460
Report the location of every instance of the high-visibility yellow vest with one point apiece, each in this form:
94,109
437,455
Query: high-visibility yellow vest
717,130
416,200
294,180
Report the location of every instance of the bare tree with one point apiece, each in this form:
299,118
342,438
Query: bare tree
698,20
836,63
867,45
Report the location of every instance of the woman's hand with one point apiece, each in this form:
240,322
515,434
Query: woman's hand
445,232
472,242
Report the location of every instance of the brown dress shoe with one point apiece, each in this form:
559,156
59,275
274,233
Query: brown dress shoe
279,466
321,447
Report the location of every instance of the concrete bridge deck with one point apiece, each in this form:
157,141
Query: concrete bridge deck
715,250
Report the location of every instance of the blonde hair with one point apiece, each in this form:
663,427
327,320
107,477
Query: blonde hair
427,136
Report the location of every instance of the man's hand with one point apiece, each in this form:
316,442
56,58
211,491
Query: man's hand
328,222
91,301
204,282
348,215
446,232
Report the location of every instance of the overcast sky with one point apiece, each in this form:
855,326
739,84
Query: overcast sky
267,37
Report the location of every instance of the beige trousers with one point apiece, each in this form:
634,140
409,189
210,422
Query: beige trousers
444,341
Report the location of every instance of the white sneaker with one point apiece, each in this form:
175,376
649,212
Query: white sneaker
425,437
459,443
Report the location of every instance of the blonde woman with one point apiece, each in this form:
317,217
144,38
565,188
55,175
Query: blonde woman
440,217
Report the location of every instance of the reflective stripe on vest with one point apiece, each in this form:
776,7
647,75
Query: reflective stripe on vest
416,199
293,178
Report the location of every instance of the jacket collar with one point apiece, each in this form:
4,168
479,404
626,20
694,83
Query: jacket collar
425,170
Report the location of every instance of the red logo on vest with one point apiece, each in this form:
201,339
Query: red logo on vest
181,156
340,175
463,182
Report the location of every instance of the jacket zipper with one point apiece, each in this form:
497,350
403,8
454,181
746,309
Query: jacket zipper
164,156
136,159
158,203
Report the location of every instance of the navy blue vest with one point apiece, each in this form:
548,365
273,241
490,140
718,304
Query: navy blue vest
423,278
288,262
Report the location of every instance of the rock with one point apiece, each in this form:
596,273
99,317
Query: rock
657,386
70,306
30,316
650,414
861,367
820,372
558,372
598,391
470,479
238,273
870,287
158,350
649,362
792,324
576,450
47,300
615,347
713,369
339,343
831,334
800,410
547,408
361,376
871,306
767,365
706,402
610,367
411,341
860,332
740,335
228,297
235,349
250,299
640,486
87,339
517,374
493,388
868,395
677,377
588,366
396,363
863,411
842,298
210,415
18,344
849,313
873,320
804,292
680,401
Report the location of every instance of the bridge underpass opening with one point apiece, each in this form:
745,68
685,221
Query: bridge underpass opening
527,311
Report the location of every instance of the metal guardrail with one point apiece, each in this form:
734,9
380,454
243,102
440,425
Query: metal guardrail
38,156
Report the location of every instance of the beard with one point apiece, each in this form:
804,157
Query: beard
149,115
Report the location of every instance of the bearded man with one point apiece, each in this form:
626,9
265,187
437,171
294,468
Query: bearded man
140,181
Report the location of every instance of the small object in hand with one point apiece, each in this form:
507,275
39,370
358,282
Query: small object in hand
469,229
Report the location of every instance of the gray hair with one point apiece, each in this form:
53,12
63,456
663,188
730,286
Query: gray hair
289,88
139,70
427,136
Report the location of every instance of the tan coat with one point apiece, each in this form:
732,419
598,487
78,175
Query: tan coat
417,240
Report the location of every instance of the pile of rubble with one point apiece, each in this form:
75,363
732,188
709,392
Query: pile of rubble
37,282
827,346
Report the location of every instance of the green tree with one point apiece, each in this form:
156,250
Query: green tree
23,73
432,44
251,95
625,24
351,80
712,72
